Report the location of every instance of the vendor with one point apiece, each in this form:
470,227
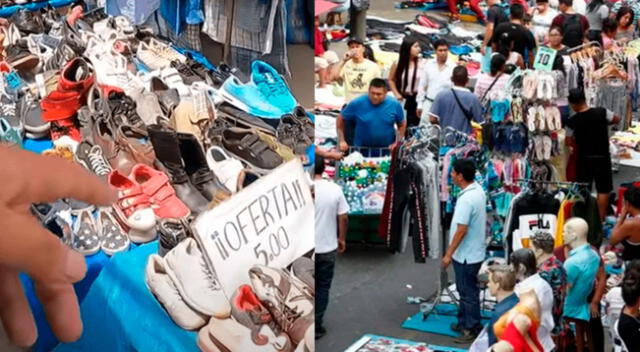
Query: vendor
375,117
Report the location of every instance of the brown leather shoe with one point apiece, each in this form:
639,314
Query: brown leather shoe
119,158
136,142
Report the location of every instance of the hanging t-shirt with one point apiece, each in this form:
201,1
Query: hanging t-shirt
530,213
357,77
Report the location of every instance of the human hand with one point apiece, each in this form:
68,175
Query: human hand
483,50
624,212
446,261
334,155
419,112
399,97
26,246
343,146
594,308
348,55
342,246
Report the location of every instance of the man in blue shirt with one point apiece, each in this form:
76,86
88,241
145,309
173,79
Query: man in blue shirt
467,247
502,281
375,117
581,267
456,107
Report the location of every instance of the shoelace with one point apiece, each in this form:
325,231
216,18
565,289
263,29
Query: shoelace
273,88
98,164
9,109
212,280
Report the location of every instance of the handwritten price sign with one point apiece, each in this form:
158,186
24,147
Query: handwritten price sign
271,223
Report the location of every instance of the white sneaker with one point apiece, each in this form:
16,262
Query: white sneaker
223,335
165,51
287,298
173,80
161,286
152,60
226,168
197,284
147,106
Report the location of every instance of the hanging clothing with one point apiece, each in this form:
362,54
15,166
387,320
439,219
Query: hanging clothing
530,212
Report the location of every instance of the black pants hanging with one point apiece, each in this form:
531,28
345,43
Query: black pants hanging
408,193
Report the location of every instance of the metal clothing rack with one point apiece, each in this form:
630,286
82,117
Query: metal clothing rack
552,183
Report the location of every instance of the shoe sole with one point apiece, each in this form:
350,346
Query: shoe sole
38,129
111,252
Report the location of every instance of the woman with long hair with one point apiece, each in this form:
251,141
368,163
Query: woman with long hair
597,12
626,28
404,77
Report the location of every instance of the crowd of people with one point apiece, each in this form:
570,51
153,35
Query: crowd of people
549,297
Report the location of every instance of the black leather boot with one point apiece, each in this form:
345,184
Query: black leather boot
195,164
167,147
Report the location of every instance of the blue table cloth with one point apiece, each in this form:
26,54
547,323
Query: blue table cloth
121,315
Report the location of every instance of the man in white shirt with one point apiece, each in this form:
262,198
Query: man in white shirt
331,220
435,77
524,264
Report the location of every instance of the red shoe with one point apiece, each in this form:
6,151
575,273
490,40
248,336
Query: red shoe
64,133
77,76
163,197
60,105
133,207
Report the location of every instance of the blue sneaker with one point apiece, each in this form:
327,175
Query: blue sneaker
248,98
272,86
266,95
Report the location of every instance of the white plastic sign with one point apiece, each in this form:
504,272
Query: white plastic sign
270,222
544,59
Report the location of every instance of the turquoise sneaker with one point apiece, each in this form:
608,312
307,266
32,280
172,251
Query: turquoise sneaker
248,98
272,86
10,134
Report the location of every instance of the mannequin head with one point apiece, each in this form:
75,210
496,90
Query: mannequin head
575,232
502,280
523,262
542,245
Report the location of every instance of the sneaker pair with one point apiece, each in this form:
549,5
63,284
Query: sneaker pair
296,130
265,95
274,314
88,235
186,287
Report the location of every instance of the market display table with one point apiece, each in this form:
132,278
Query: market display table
364,182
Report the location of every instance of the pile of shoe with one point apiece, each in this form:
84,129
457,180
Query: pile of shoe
173,134
273,314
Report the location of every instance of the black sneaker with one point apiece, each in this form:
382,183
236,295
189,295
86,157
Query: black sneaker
172,232
28,22
123,111
92,158
466,336
186,72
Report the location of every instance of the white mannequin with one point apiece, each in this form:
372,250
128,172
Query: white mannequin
575,232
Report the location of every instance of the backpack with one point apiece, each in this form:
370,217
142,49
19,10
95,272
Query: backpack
573,31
